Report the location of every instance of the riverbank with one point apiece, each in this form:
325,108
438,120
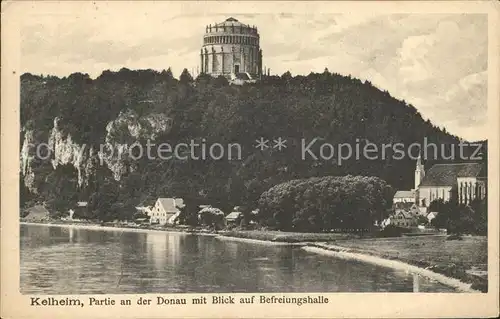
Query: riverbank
289,237
257,241
340,252
90,226
463,262
465,259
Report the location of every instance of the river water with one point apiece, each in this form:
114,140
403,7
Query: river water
70,260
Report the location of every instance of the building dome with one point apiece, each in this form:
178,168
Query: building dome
230,22
229,48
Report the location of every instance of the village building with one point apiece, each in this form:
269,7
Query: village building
404,197
468,180
231,49
165,211
234,218
404,219
431,216
144,210
80,210
37,214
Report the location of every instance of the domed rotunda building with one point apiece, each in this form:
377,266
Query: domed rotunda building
231,49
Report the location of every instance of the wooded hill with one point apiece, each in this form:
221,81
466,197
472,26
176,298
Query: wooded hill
335,108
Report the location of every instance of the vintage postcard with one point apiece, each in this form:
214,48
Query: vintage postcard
250,159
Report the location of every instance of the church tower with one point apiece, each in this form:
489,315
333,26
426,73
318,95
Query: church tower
419,172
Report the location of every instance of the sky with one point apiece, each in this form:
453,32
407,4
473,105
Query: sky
436,62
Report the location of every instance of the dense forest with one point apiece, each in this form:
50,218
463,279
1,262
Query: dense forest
127,107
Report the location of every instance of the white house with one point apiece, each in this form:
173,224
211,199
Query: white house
431,216
404,197
385,222
165,210
404,219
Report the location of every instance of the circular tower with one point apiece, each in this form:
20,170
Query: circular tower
231,48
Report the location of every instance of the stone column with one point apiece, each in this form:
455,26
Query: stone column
222,59
233,57
201,61
243,62
460,192
214,60
205,67
470,193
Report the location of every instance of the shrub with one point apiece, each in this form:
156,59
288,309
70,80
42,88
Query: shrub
391,231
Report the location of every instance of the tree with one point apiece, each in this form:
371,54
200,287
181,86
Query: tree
330,202
220,81
212,217
189,212
168,74
438,205
287,76
458,218
480,208
185,77
421,220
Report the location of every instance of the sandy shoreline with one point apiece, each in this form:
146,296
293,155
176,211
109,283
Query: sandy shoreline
257,241
343,253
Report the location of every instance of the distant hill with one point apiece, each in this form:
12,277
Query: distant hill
135,106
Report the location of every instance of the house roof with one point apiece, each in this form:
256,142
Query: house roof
233,215
37,211
171,204
404,194
405,214
447,174
401,206
211,209
422,210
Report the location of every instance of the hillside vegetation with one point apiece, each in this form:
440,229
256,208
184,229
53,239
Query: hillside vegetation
136,106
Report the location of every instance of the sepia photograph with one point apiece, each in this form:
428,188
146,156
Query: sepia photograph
190,155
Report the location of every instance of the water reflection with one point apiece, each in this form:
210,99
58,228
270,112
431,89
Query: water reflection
58,260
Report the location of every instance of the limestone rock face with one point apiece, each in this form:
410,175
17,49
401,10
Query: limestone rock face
128,128
26,159
66,151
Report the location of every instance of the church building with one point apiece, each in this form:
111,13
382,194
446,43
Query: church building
468,180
